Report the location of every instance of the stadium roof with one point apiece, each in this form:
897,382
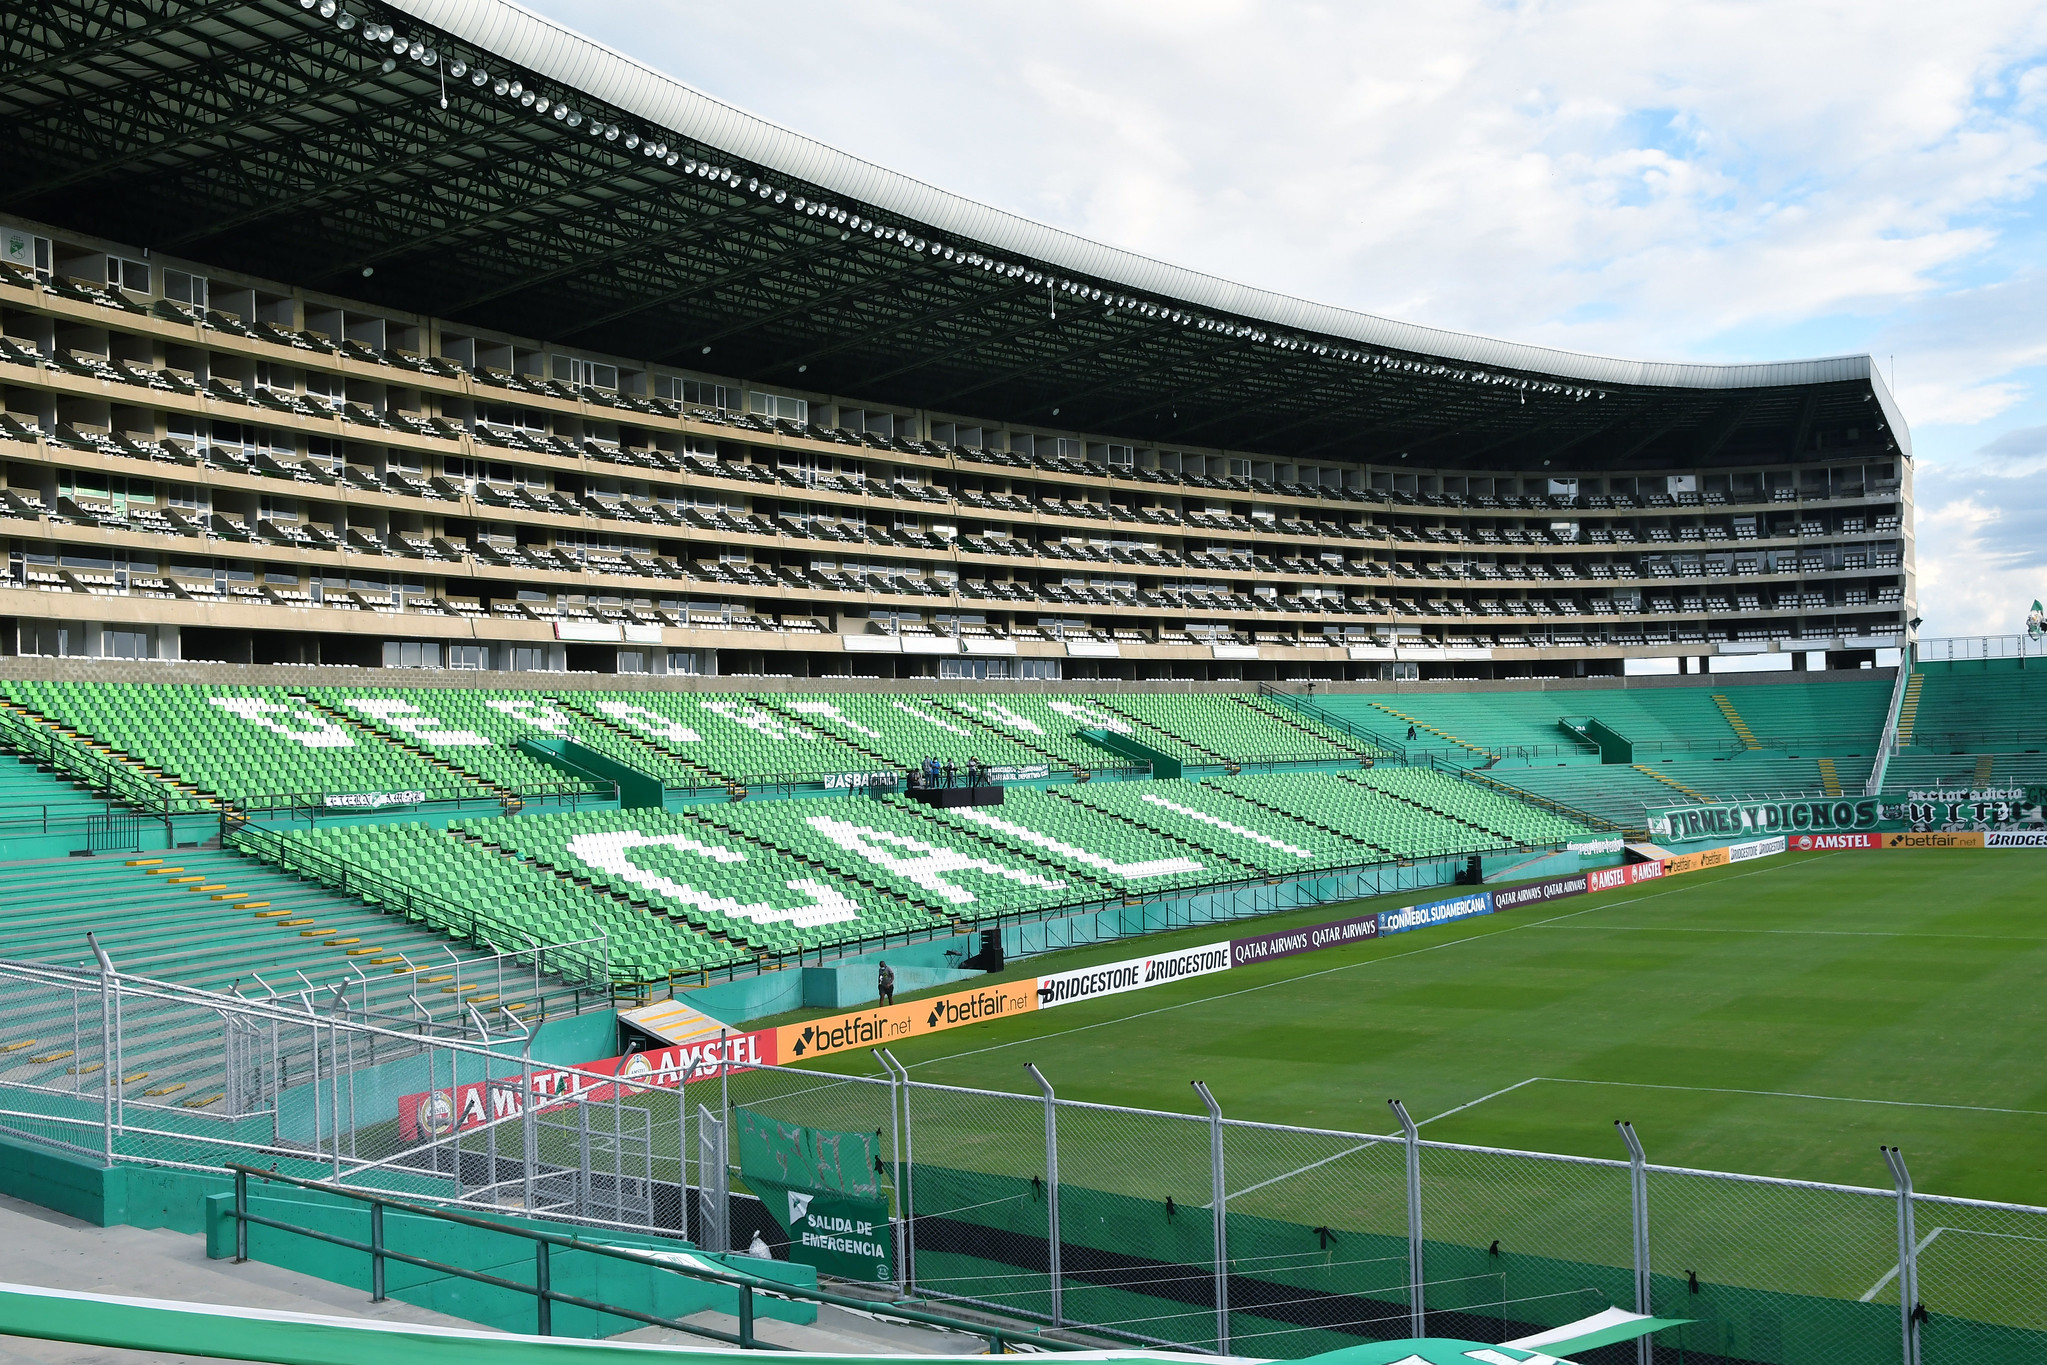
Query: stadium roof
575,195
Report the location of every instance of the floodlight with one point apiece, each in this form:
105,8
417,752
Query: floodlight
398,46
542,106
458,68
390,65
632,141
308,4
527,99
346,21
499,86
479,77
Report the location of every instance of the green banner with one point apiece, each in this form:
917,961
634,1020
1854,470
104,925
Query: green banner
1987,808
840,1235
808,1158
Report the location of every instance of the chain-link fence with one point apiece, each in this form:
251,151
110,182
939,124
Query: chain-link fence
1196,1231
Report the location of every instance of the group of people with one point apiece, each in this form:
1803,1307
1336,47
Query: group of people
933,773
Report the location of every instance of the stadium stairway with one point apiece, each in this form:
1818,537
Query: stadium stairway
400,741
1986,765
1740,726
1908,709
1427,728
1830,777
70,736
221,922
1673,783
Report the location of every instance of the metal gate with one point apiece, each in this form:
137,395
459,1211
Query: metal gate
594,1162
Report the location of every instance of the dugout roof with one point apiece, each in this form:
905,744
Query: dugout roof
577,196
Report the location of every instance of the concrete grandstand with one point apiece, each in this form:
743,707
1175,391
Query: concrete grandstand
599,374
503,545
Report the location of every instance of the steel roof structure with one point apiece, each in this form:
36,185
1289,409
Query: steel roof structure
469,160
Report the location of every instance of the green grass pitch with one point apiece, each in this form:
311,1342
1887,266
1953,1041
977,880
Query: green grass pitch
1777,1018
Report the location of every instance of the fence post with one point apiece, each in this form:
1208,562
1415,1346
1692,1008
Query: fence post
543,1289
909,1187
1051,1191
1638,1200
106,1047
529,1132
714,1201
1908,1256
1417,1307
376,1250
1219,1203
895,1150
241,1217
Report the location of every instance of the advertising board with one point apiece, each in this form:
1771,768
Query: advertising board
1136,974
1435,912
1834,843
886,1024
2015,838
436,1113
1306,939
1536,893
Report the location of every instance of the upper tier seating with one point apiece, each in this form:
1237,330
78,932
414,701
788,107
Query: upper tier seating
1201,814
1228,727
907,730
1053,722
1991,707
455,725
449,722
725,735
1087,842
1832,715
238,742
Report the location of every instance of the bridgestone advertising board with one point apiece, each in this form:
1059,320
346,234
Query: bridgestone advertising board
1139,973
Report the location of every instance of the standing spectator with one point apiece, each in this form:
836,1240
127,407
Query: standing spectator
951,772
885,984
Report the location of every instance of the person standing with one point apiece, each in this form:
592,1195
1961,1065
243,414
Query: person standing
885,984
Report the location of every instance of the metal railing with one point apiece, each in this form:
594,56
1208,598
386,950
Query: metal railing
45,746
1199,1231
582,969
1583,817
1958,648
1322,715
545,1295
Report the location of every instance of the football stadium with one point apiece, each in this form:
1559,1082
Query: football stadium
622,731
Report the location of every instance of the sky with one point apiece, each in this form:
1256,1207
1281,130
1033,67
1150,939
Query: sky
1660,181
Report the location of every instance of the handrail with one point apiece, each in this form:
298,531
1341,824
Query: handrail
1887,743
545,1295
1598,822
475,925
267,802
1307,706
42,743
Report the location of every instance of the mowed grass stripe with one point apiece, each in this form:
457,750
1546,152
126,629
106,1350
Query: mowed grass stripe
1901,976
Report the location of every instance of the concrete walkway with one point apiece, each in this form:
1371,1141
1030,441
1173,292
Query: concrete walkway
40,1247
